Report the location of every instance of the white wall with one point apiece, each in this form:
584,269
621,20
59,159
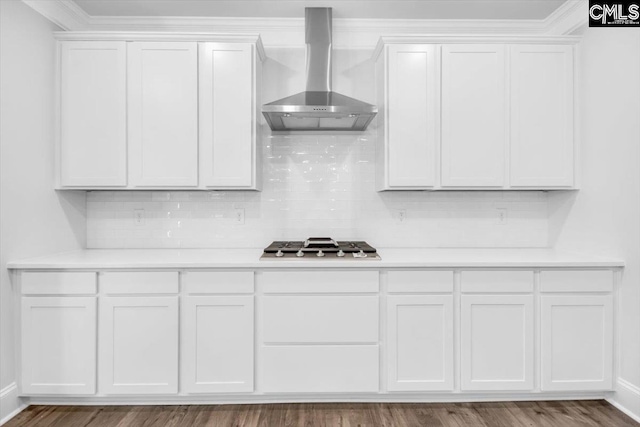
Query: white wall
35,220
604,217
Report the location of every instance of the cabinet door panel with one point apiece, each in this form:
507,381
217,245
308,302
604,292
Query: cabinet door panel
473,116
227,115
58,345
420,342
320,319
93,139
411,116
577,342
320,369
163,114
218,344
497,342
139,345
541,116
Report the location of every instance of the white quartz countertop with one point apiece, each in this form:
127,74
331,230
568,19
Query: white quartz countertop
249,258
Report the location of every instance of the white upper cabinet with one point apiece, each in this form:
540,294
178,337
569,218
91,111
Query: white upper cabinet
229,99
407,85
163,114
92,117
542,116
473,115
458,113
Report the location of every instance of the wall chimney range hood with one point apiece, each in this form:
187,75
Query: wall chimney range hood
318,108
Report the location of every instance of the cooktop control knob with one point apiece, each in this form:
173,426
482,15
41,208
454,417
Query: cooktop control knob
340,253
360,254
300,253
279,253
320,253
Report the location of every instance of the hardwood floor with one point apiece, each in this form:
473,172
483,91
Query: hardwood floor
499,414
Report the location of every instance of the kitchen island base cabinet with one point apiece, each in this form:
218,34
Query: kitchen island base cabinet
139,345
218,344
58,345
420,342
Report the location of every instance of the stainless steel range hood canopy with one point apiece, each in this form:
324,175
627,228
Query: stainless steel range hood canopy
318,108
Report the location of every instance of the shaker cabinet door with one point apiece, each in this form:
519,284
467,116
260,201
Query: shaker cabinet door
163,114
497,342
410,116
93,118
577,342
420,342
542,119
473,116
58,345
138,345
217,350
228,127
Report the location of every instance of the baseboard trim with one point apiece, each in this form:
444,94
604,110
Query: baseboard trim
626,398
10,403
309,397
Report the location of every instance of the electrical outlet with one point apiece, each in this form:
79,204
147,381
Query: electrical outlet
501,216
402,215
138,216
239,215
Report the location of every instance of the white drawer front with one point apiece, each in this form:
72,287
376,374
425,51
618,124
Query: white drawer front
320,369
52,283
320,319
576,281
497,281
218,282
420,281
139,282
320,282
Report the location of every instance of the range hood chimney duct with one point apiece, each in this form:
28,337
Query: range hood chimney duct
318,108
317,35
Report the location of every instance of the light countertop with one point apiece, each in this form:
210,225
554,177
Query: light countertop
97,259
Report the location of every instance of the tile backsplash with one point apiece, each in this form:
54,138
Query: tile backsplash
316,185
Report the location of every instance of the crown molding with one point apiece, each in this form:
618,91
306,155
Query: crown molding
163,36
289,32
66,14
570,18
471,39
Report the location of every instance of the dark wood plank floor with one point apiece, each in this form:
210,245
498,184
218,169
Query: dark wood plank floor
503,414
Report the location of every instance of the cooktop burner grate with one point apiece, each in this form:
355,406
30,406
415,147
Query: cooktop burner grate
320,247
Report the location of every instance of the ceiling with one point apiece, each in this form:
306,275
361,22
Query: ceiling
371,9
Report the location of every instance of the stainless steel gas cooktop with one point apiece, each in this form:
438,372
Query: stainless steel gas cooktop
320,248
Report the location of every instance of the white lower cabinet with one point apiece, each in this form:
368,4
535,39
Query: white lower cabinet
218,344
320,332
497,342
138,345
144,333
577,342
58,345
419,342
